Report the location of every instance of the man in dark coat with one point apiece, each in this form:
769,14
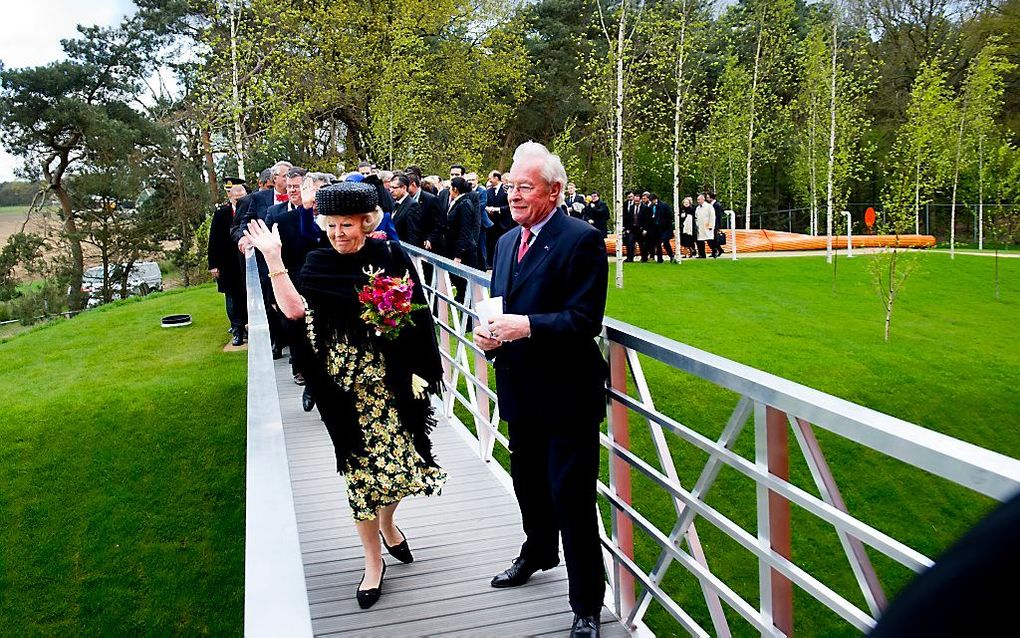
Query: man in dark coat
596,213
550,376
224,264
573,204
255,205
645,223
662,218
407,215
498,209
462,224
433,227
715,244
462,227
294,252
630,228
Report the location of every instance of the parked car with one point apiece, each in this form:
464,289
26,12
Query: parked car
144,277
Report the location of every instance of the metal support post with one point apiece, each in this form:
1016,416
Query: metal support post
849,235
619,480
733,234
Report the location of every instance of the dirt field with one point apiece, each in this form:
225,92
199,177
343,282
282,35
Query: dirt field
12,218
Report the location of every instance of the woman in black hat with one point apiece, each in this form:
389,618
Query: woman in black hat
371,389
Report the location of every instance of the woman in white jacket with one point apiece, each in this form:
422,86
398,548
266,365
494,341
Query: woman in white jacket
704,221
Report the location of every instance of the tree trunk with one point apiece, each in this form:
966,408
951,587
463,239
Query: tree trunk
829,196
210,165
956,181
618,151
77,266
677,131
892,292
750,127
981,193
236,110
917,194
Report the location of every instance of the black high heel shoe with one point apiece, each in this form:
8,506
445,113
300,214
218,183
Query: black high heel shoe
369,597
400,551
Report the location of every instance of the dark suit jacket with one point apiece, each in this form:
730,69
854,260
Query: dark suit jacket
568,205
629,218
556,377
433,226
463,226
223,250
597,214
407,218
644,221
719,214
250,207
663,217
500,199
298,232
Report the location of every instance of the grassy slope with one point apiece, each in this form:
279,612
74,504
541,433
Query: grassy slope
122,466
951,367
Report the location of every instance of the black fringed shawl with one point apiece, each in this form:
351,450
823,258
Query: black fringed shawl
329,282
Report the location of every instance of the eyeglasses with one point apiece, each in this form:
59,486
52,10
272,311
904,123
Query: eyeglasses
525,189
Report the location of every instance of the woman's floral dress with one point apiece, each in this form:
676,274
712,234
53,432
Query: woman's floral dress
390,469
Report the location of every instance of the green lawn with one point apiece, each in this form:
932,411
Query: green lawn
952,366
122,450
13,210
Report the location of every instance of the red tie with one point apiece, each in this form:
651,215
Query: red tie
281,197
523,248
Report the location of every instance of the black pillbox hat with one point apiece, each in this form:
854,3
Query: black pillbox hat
347,198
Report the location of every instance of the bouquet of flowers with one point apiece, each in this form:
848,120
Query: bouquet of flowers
387,303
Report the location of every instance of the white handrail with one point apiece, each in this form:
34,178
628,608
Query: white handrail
275,594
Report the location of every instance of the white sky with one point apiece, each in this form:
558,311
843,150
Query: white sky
30,35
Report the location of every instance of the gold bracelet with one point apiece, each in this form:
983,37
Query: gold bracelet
277,272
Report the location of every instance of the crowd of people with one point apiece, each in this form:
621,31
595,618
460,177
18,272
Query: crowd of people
321,242
650,223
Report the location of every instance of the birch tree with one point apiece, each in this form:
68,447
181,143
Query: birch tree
619,39
721,149
769,24
925,140
979,104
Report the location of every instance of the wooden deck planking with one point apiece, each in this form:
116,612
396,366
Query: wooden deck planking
460,540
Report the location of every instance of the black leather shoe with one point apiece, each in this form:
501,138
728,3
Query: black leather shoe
238,339
400,551
307,401
585,627
277,353
520,572
369,597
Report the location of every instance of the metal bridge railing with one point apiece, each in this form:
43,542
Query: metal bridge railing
775,407
275,595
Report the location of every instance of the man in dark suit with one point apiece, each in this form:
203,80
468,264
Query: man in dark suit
714,243
630,229
433,227
645,224
407,215
662,220
294,253
596,213
550,376
224,264
498,209
462,224
573,204
255,205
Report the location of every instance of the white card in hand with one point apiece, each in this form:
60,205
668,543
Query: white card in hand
489,309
